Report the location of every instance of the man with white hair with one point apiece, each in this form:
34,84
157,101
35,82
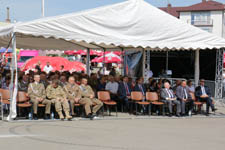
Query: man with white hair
73,93
183,95
169,98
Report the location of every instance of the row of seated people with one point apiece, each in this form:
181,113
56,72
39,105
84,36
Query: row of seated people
119,91
62,97
181,96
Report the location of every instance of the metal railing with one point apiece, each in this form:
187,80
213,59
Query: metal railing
208,22
2,113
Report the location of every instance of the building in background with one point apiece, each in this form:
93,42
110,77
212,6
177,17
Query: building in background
207,15
7,20
3,24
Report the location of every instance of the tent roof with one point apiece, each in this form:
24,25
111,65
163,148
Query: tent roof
130,24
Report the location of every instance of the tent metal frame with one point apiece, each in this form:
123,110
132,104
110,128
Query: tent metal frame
219,74
146,60
146,63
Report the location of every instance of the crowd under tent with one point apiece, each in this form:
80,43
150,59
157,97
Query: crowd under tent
130,25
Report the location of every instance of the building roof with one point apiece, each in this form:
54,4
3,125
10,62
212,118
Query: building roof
174,11
203,6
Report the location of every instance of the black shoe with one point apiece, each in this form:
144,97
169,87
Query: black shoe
170,115
35,116
46,117
207,114
178,115
137,113
215,109
16,118
90,116
74,115
183,115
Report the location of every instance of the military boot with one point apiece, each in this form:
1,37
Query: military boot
68,117
61,115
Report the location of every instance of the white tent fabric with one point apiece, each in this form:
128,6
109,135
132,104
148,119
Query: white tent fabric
133,23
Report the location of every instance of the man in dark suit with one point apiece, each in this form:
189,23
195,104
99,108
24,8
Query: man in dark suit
23,84
124,92
101,85
139,86
203,94
183,95
44,79
168,97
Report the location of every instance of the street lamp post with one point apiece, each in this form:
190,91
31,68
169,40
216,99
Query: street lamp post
43,8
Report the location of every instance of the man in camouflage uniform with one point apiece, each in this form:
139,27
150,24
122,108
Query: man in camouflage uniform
73,93
88,99
37,94
58,96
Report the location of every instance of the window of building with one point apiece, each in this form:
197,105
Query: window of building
201,18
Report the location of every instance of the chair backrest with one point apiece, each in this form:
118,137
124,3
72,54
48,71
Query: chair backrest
22,97
152,96
193,96
5,94
103,95
136,96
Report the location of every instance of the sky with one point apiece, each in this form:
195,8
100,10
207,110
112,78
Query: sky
26,10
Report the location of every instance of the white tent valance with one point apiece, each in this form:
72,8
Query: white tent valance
130,24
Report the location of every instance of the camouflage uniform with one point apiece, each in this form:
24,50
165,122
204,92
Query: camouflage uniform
37,90
58,97
86,92
72,91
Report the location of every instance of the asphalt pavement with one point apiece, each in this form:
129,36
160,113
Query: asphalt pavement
134,133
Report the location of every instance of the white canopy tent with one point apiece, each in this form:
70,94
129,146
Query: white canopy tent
133,24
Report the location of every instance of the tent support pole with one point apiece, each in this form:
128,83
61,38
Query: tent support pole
104,61
88,62
219,74
143,62
122,54
125,63
148,59
167,60
197,67
14,81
